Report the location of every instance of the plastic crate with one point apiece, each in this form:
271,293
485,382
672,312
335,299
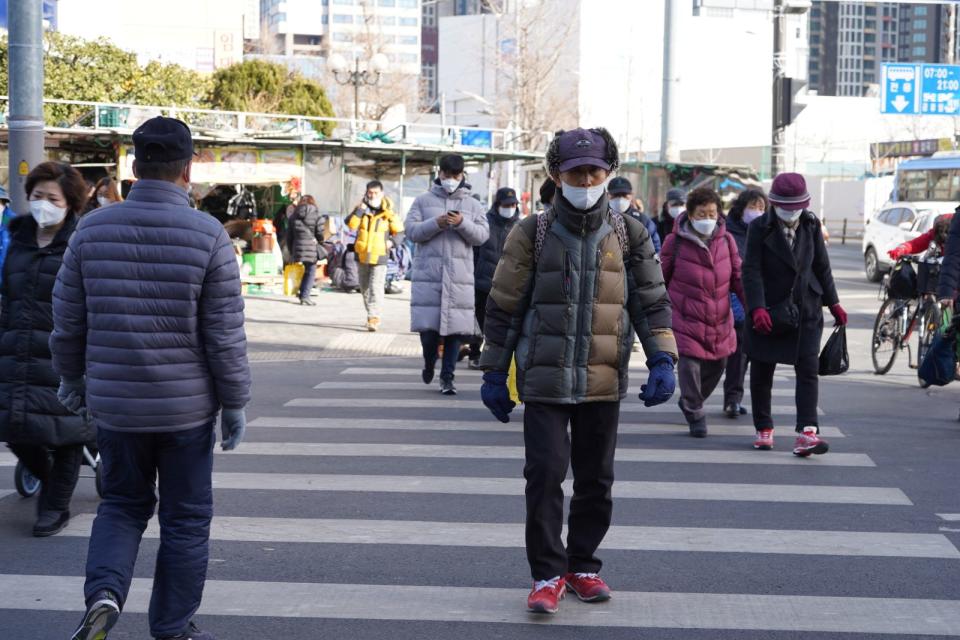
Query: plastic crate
260,264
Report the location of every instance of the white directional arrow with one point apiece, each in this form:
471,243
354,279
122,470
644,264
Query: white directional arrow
900,103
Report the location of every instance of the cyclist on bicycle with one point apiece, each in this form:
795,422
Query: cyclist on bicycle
935,240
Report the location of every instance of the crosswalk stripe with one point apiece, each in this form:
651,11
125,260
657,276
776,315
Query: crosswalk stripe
459,485
7,460
740,430
443,403
949,517
461,372
469,604
4,493
695,456
379,385
511,535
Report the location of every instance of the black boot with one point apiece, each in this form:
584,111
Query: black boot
698,428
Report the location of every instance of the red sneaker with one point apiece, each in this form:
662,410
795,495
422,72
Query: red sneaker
764,440
809,442
546,595
589,587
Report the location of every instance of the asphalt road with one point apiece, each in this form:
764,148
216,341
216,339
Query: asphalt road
405,521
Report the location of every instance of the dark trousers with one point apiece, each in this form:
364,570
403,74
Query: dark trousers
589,448
309,276
736,373
806,394
132,463
480,309
698,378
430,341
57,469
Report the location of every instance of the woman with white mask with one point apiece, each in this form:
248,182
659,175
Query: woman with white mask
788,281
701,267
105,193
46,437
672,207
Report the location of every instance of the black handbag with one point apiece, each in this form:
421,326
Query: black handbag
784,316
834,358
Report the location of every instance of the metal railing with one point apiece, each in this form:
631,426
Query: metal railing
246,125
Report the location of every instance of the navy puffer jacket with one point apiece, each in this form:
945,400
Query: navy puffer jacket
147,305
29,410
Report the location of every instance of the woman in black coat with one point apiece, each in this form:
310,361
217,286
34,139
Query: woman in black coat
46,437
749,205
787,262
305,237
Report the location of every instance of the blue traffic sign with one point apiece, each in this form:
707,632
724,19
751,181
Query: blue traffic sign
899,90
940,89
920,89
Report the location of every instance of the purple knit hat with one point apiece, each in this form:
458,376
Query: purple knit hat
789,191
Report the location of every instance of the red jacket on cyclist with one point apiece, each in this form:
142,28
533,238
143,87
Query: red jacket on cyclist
937,235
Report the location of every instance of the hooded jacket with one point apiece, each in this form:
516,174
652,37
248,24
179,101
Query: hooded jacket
30,412
373,227
700,276
442,294
567,317
306,233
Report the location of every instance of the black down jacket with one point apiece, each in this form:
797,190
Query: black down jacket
306,232
29,410
487,255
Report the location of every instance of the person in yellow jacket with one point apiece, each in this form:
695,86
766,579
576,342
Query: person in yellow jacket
378,230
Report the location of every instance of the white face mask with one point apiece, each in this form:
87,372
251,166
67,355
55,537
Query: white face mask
787,215
375,202
704,227
620,205
450,184
103,201
582,197
507,212
46,213
749,215
674,211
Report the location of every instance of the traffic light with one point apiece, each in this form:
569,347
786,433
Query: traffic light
788,107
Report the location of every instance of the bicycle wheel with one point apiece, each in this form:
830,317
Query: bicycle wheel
886,335
930,319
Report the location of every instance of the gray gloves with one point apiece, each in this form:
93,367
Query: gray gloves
72,394
233,422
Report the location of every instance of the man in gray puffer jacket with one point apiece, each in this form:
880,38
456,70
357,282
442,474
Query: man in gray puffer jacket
446,223
149,340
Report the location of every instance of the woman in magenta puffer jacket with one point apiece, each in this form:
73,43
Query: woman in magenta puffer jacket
701,266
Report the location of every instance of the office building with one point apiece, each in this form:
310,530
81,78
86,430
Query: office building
352,28
849,41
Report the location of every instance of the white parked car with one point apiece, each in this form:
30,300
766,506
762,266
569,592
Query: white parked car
894,224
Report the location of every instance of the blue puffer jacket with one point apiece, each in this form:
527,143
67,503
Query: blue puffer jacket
147,305
649,225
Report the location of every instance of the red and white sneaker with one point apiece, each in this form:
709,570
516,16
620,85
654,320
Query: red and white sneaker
764,440
546,595
589,587
809,442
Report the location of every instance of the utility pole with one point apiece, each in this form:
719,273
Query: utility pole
776,146
25,123
672,13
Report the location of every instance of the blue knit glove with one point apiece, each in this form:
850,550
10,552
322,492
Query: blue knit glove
72,394
662,382
739,315
496,396
233,422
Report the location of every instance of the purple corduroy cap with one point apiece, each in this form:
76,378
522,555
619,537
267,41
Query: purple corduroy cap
580,147
789,191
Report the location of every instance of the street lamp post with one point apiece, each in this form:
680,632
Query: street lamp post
358,76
